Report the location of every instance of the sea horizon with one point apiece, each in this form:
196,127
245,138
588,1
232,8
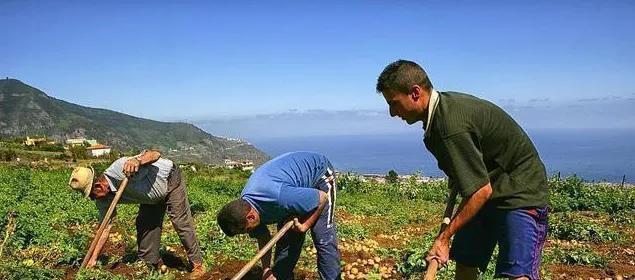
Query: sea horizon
606,155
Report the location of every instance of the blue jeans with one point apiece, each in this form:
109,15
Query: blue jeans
519,233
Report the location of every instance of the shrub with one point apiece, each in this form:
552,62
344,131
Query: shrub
27,270
572,256
568,226
574,194
352,183
8,154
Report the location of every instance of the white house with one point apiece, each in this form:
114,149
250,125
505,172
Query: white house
245,165
80,141
98,150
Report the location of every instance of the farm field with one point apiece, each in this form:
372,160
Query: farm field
384,230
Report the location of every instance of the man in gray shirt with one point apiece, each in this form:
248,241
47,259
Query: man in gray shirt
156,185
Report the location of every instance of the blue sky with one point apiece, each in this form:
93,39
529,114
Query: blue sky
215,63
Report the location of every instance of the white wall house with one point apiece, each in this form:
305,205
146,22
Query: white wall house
98,150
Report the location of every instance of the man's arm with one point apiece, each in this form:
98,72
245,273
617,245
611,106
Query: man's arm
146,157
309,221
468,209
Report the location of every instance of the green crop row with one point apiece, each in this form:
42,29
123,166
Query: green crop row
48,226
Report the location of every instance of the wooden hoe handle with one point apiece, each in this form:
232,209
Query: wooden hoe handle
433,265
263,251
96,245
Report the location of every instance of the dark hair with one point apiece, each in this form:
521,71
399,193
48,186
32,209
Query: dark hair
401,75
232,219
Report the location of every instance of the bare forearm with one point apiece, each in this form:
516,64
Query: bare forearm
468,209
310,221
148,156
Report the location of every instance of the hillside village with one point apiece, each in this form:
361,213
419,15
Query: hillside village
42,148
91,146
36,149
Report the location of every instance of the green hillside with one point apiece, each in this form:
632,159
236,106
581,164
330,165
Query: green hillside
25,110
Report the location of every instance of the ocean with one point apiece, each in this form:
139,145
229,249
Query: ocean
593,154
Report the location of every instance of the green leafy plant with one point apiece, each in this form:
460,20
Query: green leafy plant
571,256
569,226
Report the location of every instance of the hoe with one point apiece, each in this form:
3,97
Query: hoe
433,265
102,232
264,250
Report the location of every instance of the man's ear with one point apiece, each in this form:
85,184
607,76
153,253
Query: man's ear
415,92
251,215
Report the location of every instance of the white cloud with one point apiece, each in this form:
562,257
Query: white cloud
601,112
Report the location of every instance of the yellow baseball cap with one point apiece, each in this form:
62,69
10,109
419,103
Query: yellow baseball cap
82,179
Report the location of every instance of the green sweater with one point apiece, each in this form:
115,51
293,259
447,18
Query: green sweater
475,142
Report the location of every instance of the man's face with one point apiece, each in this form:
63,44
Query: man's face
253,220
100,188
408,106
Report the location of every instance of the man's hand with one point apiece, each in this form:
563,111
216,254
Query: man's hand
267,274
440,251
131,166
299,227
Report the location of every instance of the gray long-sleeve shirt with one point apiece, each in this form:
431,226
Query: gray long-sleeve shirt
148,186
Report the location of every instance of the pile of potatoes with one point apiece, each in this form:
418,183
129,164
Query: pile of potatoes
403,238
115,237
365,246
361,268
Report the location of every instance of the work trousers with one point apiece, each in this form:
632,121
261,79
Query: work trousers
150,222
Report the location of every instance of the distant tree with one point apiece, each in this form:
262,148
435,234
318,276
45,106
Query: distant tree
57,147
78,152
392,177
114,155
8,154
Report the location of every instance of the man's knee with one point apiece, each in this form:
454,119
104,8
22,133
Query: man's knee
464,272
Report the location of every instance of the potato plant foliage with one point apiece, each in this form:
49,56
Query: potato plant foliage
45,227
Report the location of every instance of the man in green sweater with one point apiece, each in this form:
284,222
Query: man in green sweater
493,165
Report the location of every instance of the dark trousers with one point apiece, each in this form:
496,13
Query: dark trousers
150,222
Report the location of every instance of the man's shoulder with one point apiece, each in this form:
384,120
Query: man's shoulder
291,158
453,114
461,112
261,184
455,98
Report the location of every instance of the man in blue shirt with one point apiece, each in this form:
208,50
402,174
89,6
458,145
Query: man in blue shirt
298,186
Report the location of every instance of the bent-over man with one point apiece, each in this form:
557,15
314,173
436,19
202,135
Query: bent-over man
157,185
298,186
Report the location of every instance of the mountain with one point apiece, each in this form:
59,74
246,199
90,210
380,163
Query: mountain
25,110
